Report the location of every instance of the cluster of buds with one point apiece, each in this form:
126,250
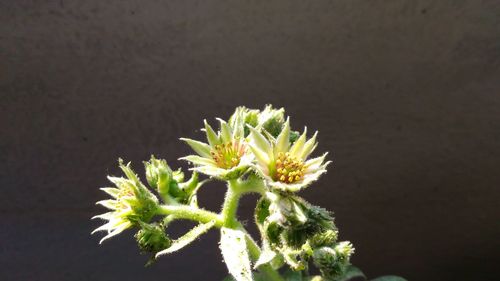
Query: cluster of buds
170,185
297,231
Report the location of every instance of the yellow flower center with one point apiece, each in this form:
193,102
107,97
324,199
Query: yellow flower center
228,155
289,169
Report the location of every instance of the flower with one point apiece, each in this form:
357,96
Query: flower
283,165
132,203
226,156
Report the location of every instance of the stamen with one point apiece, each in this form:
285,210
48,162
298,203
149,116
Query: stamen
228,155
289,169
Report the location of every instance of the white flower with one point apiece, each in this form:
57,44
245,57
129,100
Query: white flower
283,165
225,156
132,203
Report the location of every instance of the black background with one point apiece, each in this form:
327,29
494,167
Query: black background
405,95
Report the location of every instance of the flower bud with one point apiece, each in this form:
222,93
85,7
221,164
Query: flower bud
332,262
326,238
151,238
158,174
272,120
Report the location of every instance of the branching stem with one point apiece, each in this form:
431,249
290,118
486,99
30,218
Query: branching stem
227,218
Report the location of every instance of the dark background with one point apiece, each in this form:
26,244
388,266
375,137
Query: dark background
405,95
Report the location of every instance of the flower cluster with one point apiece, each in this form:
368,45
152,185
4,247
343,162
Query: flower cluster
253,151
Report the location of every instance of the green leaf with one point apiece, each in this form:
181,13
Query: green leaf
187,238
352,272
234,250
389,278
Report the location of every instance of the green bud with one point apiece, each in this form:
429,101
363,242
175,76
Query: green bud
294,135
326,238
158,174
151,238
241,117
178,175
332,262
272,120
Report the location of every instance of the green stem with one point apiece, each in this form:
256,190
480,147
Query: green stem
230,206
227,218
234,192
190,213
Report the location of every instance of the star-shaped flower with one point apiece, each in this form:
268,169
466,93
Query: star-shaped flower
225,156
285,166
132,203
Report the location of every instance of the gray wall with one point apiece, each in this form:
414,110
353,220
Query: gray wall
405,95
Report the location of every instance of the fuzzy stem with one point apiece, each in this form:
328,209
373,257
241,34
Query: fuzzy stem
190,213
230,206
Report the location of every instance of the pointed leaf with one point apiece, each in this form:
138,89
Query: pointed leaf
187,238
234,250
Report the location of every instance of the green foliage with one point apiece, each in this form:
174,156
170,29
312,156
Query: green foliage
255,151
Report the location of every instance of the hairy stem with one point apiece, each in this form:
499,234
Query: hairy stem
230,206
190,213
234,192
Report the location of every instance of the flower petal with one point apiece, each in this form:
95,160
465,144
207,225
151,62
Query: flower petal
212,137
314,164
114,192
261,156
259,140
201,148
110,204
298,145
225,131
283,139
309,147
198,160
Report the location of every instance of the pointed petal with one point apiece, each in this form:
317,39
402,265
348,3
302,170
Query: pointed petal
212,137
315,163
198,160
114,192
262,157
309,147
116,231
110,204
201,148
283,139
259,140
225,131
105,216
298,145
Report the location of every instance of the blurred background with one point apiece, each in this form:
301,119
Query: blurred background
405,95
